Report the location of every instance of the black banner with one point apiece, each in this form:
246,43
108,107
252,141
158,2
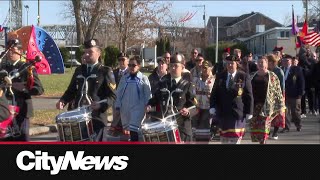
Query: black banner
154,161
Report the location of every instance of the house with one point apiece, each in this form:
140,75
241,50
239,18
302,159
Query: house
246,25
264,42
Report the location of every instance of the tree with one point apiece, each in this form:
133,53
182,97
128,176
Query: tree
87,15
65,53
79,53
163,45
111,56
131,18
128,19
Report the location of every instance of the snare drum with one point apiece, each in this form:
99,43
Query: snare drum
160,131
75,125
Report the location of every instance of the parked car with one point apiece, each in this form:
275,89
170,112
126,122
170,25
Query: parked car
72,62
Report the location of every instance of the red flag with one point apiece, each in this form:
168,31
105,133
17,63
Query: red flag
304,30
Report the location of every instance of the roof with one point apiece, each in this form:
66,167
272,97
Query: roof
223,20
230,21
240,18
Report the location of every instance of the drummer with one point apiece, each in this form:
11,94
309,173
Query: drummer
181,101
101,86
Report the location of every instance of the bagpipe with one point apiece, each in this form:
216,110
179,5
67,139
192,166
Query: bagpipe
9,128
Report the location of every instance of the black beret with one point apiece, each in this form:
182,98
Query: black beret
232,58
90,43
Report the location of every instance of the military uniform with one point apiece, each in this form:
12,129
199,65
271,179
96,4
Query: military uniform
232,99
101,86
4,109
26,85
181,100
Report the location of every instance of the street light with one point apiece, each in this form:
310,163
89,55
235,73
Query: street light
27,9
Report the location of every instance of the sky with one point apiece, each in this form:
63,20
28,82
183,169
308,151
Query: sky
280,11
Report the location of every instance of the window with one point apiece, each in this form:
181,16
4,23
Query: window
284,34
271,36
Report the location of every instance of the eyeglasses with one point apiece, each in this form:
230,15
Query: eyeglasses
167,57
132,65
194,52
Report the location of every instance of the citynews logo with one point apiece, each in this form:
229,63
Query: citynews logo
42,161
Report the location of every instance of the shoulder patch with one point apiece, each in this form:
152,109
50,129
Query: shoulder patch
113,86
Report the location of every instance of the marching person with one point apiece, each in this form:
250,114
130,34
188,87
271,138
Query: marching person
202,89
192,62
268,101
181,100
122,70
4,108
248,64
232,101
278,121
294,89
101,86
133,94
220,66
196,71
26,85
156,76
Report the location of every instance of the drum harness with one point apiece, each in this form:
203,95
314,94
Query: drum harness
84,90
170,102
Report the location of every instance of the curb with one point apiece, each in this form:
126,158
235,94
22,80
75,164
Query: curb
42,130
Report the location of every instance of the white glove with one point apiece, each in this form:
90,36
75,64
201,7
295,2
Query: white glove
248,116
212,111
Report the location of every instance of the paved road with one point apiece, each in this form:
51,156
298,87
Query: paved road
310,134
40,103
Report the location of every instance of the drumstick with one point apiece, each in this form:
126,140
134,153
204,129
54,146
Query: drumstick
189,108
102,101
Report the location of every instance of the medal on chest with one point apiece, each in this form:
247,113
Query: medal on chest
240,90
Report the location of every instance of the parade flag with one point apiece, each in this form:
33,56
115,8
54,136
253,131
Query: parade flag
312,39
295,28
302,34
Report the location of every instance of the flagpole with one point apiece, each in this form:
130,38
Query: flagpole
295,34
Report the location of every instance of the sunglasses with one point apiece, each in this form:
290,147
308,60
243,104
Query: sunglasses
132,65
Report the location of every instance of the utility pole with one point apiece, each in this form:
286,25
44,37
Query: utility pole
38,17
204,14
27,9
